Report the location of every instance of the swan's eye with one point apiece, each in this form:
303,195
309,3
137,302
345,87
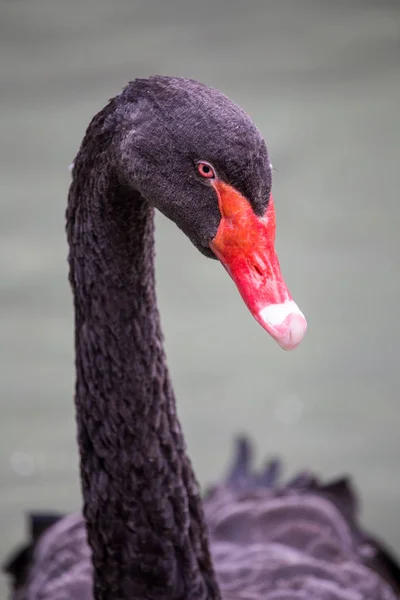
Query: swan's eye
206,170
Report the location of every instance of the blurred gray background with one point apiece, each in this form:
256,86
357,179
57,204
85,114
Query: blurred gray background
322,81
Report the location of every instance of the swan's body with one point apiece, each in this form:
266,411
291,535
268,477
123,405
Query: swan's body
187,150
298,541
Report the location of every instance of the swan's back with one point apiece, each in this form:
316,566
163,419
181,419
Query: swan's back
299,541
55,566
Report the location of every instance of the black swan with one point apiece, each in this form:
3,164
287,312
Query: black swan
179,146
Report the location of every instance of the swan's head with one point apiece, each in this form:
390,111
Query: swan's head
199,159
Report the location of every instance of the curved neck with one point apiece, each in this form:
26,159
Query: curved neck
144,515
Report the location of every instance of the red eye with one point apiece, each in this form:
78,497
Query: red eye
206,170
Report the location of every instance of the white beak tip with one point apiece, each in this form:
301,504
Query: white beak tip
285,323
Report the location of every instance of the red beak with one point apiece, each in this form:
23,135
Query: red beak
245,245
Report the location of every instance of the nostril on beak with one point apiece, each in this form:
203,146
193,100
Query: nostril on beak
257,270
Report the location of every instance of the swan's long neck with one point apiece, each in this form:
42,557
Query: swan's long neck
141,502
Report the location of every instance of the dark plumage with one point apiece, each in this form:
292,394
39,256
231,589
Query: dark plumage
147,528
301,537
